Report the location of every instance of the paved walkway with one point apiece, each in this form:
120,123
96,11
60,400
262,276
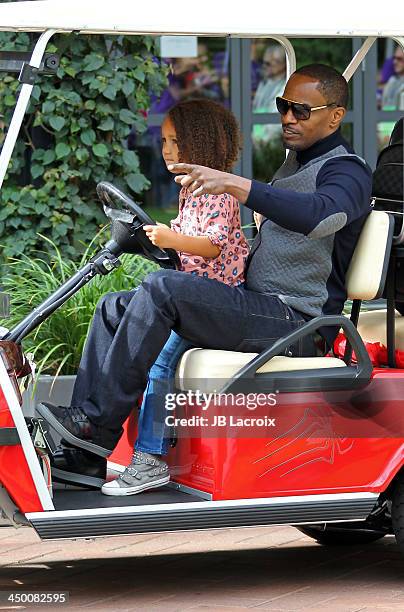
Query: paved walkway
274,568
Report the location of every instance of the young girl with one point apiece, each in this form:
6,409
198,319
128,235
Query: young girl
208,238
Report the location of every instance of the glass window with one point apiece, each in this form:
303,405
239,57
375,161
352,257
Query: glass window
390,86
268,156
205,75
335,52
347,132
268,79
384,130
268,75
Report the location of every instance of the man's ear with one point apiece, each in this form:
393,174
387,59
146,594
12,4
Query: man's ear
337,116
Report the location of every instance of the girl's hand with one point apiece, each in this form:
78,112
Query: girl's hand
161,235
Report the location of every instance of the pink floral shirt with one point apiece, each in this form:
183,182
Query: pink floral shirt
218,218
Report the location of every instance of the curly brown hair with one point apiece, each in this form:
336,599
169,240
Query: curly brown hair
207,134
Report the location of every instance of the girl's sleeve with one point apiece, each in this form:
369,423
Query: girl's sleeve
215,212
175,224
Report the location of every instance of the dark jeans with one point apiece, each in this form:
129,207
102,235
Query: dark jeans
129,329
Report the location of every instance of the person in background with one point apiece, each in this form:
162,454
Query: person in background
393,93
257,49
271,86
203,80
392,97
385,72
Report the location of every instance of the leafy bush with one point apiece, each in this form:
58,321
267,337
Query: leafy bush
58,342
74,135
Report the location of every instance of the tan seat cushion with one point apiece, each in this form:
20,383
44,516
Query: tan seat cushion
372,328
207,370
368,264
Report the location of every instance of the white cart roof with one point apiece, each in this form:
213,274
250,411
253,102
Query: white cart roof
250,18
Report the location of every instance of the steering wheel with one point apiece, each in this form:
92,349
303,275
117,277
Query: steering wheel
128,219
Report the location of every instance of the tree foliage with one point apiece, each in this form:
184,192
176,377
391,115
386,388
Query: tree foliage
74,136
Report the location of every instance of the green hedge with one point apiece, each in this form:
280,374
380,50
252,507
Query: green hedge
74,135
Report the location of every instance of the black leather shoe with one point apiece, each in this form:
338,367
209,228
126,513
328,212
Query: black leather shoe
75,427
72,465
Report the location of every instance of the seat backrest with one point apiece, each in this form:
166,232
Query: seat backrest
367,271
397,135
388,180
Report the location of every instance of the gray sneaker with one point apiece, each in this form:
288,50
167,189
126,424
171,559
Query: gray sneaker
145,472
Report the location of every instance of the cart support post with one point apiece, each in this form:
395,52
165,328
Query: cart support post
358,58
21,106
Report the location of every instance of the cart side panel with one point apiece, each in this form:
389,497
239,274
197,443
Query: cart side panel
15,475
326,443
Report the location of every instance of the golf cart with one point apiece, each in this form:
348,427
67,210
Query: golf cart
334,464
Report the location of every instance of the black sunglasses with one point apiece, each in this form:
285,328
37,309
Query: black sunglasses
300,111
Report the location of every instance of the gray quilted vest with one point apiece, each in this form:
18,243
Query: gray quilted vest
290,265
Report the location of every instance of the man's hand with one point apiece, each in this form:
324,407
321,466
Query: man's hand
161,235
200,180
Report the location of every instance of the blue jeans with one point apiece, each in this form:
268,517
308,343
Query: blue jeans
151,425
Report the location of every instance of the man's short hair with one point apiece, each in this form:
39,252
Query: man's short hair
331,83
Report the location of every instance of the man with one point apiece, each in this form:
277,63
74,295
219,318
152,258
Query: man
271,86
393,92
314,211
